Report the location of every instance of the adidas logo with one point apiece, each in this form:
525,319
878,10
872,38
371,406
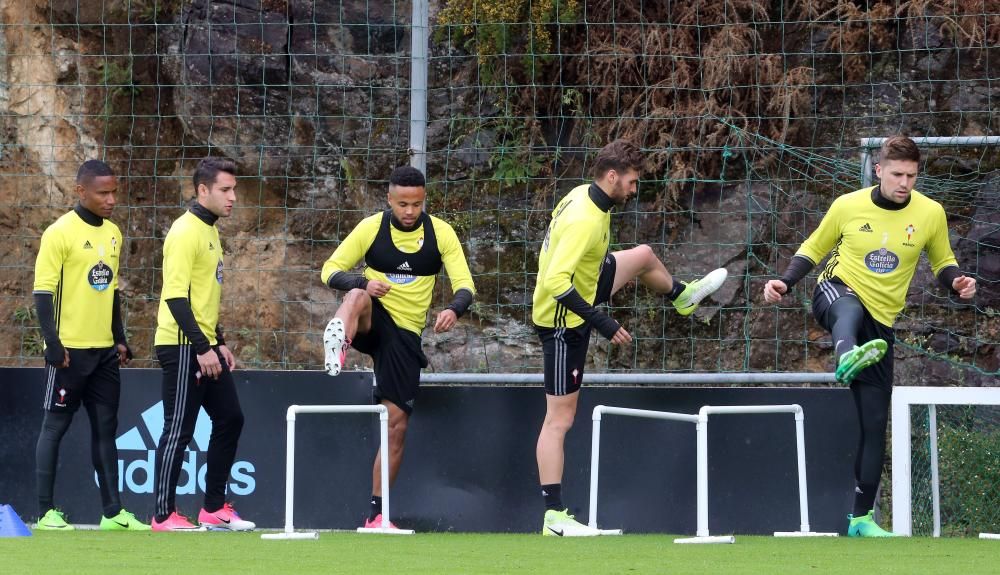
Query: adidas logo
866,228
136,474
87,246
404,267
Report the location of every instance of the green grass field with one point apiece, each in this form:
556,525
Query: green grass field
86,552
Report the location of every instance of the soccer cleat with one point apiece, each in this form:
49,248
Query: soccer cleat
335,343
225,519
124,521
853,361
175,522
377,523
562,524
698,290
865,526
53,520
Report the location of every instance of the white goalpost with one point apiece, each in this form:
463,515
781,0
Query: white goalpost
902,480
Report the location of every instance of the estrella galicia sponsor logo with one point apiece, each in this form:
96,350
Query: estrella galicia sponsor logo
218,272
137,458
881,261
100,276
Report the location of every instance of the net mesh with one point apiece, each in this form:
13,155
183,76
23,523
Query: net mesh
749,113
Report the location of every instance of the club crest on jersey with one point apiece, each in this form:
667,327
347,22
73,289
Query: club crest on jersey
100,276
882,261
218,272
910,230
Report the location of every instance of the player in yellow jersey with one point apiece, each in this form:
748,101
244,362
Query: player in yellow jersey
197,364
384,310
79,309
576,272
876,236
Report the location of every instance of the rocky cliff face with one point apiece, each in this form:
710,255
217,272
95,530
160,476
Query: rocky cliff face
311,98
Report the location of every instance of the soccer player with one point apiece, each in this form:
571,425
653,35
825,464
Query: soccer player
385,308
876,235
576,273
197,364
79,309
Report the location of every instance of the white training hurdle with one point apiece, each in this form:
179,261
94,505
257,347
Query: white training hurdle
383,416
702,534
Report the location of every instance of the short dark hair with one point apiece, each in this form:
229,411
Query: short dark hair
92,169
620,155
407,177
899,148
208,169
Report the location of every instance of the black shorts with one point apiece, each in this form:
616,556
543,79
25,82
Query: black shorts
830,291
398,358
564,349
92,377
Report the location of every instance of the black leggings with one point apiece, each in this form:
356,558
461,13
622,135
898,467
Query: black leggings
872,403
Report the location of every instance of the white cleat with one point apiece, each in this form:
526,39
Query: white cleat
335,346
562,524
698,290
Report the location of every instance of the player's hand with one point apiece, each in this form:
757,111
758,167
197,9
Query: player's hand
445,321
65,362
209,364
56,355
376,288
124,354
228,356
621,337
773,290
965,286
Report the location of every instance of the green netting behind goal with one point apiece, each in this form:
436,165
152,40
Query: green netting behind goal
750,114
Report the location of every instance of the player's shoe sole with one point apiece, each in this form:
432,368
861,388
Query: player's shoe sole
698,290
333,344
865,355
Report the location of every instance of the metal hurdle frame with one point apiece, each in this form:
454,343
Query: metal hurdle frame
383,417
701,422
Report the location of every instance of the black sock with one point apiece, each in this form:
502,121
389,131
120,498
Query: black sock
864,498
677,289
553,496
160,519
376,507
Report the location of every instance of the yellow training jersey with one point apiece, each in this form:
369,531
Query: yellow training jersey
192,269
572,256
78,264
876,250
410,295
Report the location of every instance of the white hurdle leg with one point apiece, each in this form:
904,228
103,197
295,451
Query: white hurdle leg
800,449
989,535
383,422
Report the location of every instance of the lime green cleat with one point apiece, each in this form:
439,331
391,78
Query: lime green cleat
852,362
124,521
865,526
562,524
698,290
53,520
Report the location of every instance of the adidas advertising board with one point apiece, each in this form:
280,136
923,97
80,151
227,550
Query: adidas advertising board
467,467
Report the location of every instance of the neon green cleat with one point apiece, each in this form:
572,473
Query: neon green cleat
53,520
124,521
698,290
852,362
865,526
562,524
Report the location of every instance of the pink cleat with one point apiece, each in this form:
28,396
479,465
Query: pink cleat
225,519
175,522
377,523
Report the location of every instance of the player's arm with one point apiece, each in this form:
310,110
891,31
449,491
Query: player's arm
813,250
336,271
566,256
220,341
943,262
52,253
179,251
118,330
457,268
